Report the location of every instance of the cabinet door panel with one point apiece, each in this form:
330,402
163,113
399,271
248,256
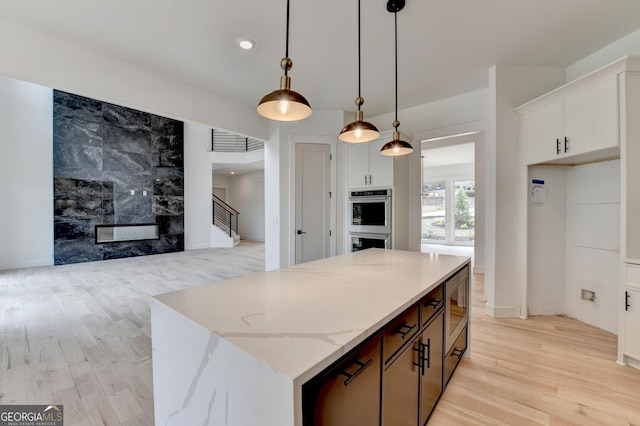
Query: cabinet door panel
400,389
632,323
357,165
350,395
380,166
542,127
431,380
591,118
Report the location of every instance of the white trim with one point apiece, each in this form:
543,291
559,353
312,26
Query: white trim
502,311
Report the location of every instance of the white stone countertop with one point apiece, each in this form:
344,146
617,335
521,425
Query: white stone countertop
300,319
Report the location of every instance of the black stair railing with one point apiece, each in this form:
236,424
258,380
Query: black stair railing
225,217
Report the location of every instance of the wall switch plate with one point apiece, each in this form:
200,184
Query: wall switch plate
133,192
144,193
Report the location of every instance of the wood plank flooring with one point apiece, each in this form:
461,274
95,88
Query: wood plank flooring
540,371
79,335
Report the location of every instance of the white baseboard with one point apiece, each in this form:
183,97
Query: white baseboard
502,311
546,310
26,263
197,247
478,270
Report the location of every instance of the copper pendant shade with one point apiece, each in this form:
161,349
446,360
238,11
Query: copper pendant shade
285,104
359,131
396,147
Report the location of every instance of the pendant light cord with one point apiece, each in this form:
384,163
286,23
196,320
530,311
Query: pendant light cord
359,57
395,14
286,52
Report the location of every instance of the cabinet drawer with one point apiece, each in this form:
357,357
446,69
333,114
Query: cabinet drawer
350,393
400,331
431,304
455,355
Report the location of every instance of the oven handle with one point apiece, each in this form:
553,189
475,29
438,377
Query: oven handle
370,199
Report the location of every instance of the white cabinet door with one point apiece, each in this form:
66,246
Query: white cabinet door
380,166
366,167
544,132
357,165
632,323
591,118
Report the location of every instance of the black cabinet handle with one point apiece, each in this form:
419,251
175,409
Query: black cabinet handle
300,232
566,144
557,146
420,363
361,367
458,353
427,359
626,301
434,303
403,329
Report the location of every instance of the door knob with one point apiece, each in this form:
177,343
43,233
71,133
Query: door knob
300,232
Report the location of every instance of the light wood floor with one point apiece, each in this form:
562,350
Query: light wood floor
540,371
79,335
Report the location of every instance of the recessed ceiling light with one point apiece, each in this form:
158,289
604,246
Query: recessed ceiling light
246,43
233,173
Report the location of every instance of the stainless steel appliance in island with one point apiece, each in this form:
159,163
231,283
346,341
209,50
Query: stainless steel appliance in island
370,220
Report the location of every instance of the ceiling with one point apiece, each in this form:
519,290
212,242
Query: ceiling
445,46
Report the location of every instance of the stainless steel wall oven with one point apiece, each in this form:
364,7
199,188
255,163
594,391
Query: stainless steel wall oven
370,211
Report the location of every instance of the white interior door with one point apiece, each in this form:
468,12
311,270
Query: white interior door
313,186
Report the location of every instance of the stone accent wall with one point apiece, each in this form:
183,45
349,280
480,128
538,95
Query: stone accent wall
114,165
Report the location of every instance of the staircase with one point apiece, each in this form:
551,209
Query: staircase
224,230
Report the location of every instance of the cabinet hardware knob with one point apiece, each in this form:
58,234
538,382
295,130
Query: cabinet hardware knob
361,367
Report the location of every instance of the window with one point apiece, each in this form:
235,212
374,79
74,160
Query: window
434,203
448,211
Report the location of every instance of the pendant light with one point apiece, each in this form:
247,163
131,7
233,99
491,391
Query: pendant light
396,147
359,130
284,104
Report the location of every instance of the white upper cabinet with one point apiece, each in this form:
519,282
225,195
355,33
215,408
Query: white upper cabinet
366,167
543,129
577,123
591,118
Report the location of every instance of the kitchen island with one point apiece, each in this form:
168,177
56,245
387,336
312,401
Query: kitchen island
238,352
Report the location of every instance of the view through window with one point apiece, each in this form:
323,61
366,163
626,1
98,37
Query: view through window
448,212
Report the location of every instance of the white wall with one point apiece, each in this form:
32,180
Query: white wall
198,213
246,194
26,173
510,86
52,62
628,45
593,243
546,244
449,172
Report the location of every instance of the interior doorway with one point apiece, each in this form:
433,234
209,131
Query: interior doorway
313,201
452,200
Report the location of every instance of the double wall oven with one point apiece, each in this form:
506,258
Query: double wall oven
370,220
